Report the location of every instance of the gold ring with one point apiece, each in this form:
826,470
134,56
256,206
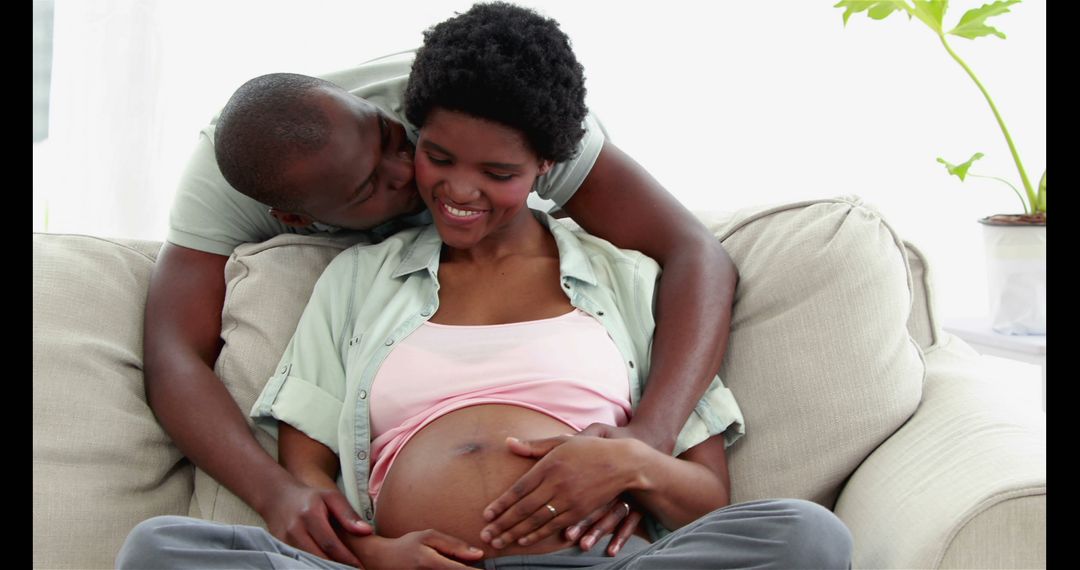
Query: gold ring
554,513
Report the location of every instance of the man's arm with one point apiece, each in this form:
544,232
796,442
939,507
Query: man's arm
181,341
620,202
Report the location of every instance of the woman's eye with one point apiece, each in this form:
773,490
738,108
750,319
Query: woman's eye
500,177
437,160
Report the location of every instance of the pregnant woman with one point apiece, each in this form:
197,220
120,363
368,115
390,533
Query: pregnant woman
432,371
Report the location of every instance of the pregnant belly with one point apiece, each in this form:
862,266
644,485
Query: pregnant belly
450,470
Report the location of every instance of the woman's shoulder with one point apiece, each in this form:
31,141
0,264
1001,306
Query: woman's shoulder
598,251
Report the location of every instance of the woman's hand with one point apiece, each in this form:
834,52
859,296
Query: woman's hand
576,480
419,549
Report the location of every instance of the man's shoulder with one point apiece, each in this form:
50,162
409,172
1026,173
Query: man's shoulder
391,250
368,78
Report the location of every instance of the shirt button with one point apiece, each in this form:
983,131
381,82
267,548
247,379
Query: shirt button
425,312
363,394
283,369
631,364
601,313
361,455
389,341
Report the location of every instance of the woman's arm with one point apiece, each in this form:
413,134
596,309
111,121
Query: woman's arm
317,466
674,490
680,490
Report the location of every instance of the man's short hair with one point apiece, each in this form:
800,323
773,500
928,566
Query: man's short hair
268,121
507,64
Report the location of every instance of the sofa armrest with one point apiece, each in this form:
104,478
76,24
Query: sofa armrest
961,485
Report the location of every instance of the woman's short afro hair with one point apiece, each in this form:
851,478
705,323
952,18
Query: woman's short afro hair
506,64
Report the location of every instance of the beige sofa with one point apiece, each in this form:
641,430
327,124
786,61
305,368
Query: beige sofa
853,395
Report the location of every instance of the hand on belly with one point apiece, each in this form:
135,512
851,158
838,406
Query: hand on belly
450,470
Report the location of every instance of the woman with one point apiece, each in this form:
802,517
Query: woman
538,332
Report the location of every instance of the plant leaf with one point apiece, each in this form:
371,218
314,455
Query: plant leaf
1040,203
960,170
878,9
973,24
931,12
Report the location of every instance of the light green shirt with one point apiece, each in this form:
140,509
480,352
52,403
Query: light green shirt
210,215
372,296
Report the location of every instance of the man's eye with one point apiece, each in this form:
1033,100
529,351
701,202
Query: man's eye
366,191
500,177
385,128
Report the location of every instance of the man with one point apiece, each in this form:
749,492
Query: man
348,165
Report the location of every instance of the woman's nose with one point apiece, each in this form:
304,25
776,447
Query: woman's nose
459,190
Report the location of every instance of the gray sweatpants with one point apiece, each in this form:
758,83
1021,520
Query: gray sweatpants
784,533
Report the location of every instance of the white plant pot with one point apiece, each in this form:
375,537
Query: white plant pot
1016,272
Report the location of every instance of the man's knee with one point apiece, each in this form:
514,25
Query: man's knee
146,543
817,538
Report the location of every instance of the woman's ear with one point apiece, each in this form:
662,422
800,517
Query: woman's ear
545,166
291,219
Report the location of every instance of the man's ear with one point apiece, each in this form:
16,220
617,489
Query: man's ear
291,219
545,166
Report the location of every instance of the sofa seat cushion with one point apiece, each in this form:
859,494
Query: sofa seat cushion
101,462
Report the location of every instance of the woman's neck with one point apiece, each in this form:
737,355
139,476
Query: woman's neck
527,236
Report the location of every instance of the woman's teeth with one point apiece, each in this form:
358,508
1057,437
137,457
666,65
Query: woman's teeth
460,213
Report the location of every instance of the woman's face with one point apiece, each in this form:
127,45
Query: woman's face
474,175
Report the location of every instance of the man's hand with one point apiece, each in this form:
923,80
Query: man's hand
603,521
419,549
304,517
631,430
576,480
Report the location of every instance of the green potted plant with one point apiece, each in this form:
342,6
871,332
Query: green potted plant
1016,243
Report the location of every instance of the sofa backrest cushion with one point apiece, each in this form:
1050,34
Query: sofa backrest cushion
102,464
819,357
267,287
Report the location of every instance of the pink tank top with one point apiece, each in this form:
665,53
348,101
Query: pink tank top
566,367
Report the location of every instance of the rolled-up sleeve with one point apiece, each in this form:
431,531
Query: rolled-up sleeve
715,413
308,388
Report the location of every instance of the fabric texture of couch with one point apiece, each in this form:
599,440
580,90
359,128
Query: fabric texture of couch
853,395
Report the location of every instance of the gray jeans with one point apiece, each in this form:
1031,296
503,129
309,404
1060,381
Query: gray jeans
784,533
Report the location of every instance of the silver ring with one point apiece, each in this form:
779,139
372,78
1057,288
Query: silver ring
627,507
554,513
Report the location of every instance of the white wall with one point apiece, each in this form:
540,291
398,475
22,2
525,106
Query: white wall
729,104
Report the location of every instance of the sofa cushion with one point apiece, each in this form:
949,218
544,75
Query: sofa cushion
267,287
101,462
820,357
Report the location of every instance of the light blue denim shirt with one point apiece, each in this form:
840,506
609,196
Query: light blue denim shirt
372,296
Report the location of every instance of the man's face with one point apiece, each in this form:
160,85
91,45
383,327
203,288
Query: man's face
364,175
